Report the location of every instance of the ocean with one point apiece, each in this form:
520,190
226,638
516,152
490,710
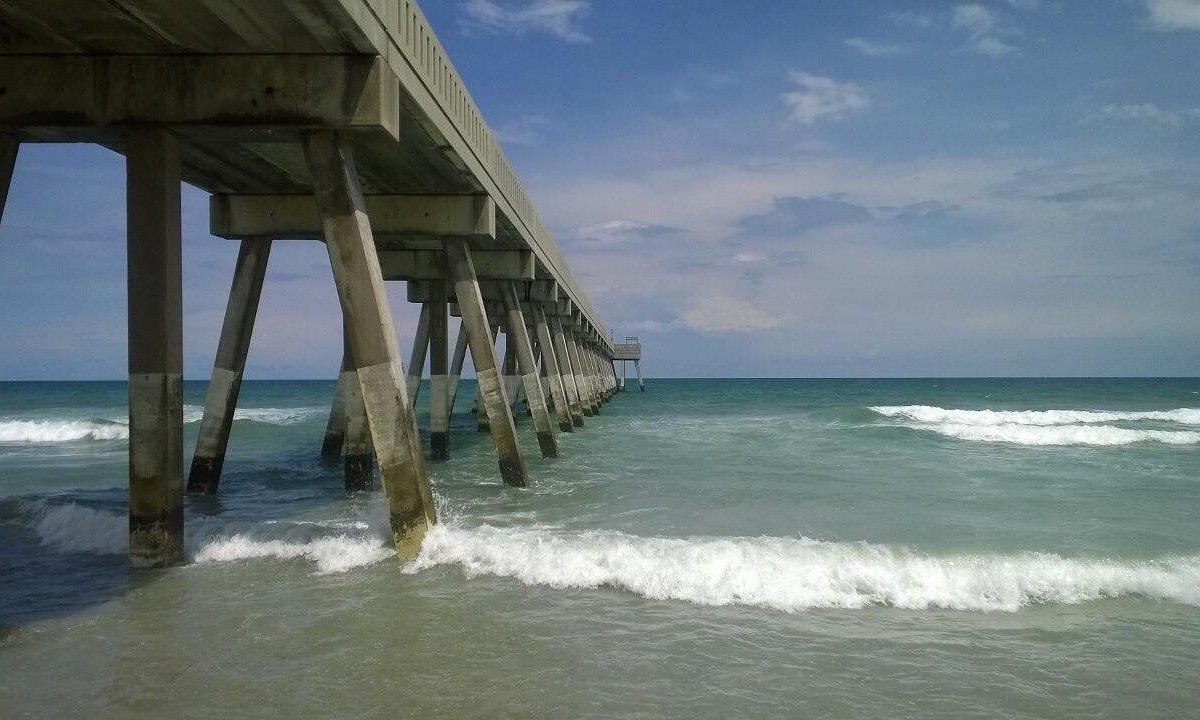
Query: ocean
960,548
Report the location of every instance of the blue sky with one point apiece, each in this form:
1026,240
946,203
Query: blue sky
1004,187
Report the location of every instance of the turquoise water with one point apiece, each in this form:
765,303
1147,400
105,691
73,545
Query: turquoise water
710,548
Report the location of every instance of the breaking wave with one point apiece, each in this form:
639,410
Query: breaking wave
930,414
333,547
1047,427
49,431
268,415
791,574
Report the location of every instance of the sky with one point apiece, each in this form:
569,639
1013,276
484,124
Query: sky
759,188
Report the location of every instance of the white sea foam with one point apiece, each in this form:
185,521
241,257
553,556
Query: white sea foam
267,415
50,431
71,527
1060,434
796,574
931,414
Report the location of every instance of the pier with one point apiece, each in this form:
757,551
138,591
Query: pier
337,121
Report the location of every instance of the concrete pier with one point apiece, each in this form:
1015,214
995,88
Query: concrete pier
439,386
483,355
232,348
335,428
9,145
416,361
456,366
155,275
568,374
359,281
527,365
586,402
358,458
554,376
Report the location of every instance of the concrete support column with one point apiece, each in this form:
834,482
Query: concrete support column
637,366
568,374
359,281
585,394
335,428
456,366
511,380
155,277
483,355
416,361
550,367
230,363
439,387
481,418
358,459
519,336
9,145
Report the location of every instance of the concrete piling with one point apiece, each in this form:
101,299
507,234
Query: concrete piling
416,360
568,375
585,395
456,367
155,306
483,355
358,456
439,388
527,365
359,281
550,366
221,401
335,428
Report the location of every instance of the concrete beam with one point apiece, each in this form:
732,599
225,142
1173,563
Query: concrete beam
403,217
493,291
431,264
260,92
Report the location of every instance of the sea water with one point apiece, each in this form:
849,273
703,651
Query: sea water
706,549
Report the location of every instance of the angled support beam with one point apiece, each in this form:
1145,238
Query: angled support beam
456,366
550,367
335,428
527,365
238,96
483,355
221,402
372,339
358,456
586,401
439,387
155,275
637,366
9,145
568,372
403,217
416,361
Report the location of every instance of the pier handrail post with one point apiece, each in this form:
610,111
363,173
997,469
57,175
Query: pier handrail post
220,403
155,306
527,366
483,356
380,372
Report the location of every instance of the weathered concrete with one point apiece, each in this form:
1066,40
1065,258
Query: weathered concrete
335,428
358,458
586,403
456,366
230,363
439,387
416,360
637,366
155,274
359,282
9,145
483,355
550,367
568,374
518,334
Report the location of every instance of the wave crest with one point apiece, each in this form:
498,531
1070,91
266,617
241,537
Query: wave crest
797,574
931,414
50,431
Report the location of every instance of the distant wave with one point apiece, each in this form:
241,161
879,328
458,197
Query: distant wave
50,431
267,415
332,547
1047,427
797,574
930,414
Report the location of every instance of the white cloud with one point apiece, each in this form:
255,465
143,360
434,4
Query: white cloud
1141,112
560,18
877,48
820,98
1174,14
523,131
983,27
724,313
912,19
